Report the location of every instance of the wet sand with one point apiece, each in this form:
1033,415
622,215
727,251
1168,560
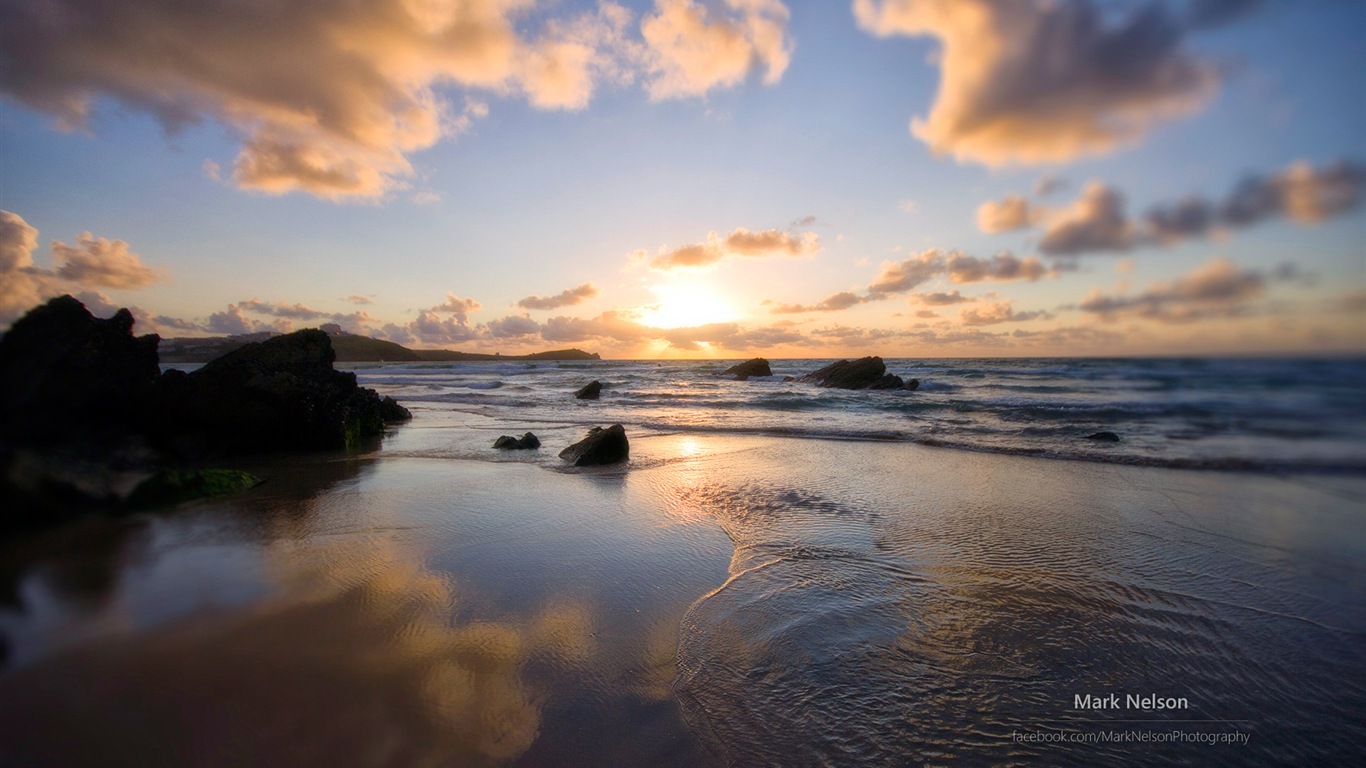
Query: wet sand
721,600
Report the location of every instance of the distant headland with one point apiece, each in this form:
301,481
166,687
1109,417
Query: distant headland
350,348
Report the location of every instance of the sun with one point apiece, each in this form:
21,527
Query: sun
683,305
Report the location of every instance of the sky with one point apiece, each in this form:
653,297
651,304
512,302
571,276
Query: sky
696,178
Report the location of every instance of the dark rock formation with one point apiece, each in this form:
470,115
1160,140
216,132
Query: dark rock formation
590,391
525,442
913,384
1103,437
864,373
85,413
756,367
273,395
66,375
601,446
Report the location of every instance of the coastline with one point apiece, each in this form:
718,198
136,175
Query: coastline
698,605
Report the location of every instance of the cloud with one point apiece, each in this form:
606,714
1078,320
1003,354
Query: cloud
940,299
741,242
612,324
1212,13
280,309
903,276
565,298
431,329
692,48
18,241
92,262
457,306
99,303
102,262
398,334
562,69
234,321
1353,301
1299,192
963,268
994,312
1187,218
512,326
328,97
1047,184
1097,221
1013,212
158,322
1219,288
1034,81
832,303
358,299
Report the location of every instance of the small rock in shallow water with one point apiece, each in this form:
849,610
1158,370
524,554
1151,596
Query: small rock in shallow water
1104,437
742,371
601,446
526,441
590,391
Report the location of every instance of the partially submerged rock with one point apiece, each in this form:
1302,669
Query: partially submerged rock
590,391
525,442
864,373
742,371
1103,437
600,446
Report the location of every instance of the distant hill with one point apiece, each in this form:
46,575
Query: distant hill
350,349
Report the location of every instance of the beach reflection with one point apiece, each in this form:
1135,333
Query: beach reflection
358,658
352,613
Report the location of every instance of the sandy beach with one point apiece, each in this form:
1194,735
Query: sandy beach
719,600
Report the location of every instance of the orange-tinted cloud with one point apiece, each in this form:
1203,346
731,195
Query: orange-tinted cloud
1031,81
1012,212
565,298
994,312
832,303
741,242
329,97
900,277
1002,267
941,299
693,47
92,262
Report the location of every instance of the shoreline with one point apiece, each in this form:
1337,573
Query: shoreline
632,597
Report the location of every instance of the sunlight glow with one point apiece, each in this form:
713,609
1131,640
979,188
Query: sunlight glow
684,305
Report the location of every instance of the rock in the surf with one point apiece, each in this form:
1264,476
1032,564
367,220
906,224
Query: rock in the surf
590,391
864,373
600,446
742,371
509,443
1103,437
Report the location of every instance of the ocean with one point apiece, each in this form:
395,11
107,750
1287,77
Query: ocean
780,575
1263,415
